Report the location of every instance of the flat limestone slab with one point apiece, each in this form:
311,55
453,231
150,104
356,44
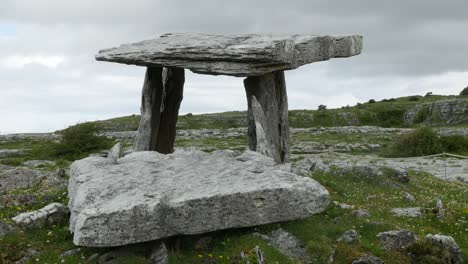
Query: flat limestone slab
236,55
149,196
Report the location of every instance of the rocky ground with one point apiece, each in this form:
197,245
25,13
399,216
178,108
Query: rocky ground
383,210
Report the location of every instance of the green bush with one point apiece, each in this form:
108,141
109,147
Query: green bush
464,92
423,141
77,142
414,98
371,101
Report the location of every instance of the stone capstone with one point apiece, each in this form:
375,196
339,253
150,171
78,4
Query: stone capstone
147,195
51,214
241,55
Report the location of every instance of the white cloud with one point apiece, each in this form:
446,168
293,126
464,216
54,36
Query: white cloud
20,61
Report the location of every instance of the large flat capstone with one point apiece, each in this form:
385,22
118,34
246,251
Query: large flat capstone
236,55
147,196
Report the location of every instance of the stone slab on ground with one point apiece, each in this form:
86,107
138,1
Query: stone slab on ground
149,196
236,55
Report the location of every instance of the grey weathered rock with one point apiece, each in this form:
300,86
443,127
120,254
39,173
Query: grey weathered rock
369,260
349,236
440,209
343,205
30,253
21,178
183,193
451,111
71,252
409,197
159,254
116,152
51,214
408,212
267,115
397,239
161,98
361,213
39,163
241,55
7,153
448,243
6,229
288,245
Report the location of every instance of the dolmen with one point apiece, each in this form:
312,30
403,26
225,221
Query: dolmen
156,192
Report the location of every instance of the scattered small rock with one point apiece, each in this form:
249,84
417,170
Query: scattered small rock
116,152
203,243
61,173
397,239
30,253
6,229
368,260
7,153
401,175
343,205
440,209
409,197
71,252
361,213
159,254
408,212
287,244
51,214
39,163
447,242
260,256
349,236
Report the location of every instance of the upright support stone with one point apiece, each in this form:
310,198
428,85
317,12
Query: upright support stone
161,98
268,115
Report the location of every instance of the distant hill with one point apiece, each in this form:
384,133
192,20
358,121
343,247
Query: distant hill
434,110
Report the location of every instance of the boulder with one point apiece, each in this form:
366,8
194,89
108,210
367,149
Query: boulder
51,214
349,236
397,239
148,196
240,55
408,212
446,242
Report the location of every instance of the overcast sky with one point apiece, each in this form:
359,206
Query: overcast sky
49,78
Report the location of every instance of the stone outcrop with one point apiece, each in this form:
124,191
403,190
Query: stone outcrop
241,55
451,111
447,243
148,196
51,214
8,153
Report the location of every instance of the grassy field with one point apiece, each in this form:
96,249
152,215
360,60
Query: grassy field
386,113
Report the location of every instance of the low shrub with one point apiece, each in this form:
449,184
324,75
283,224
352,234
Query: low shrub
464,92
77,142
413,98
425,141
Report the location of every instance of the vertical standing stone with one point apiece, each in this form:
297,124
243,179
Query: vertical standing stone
268,115
161,98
